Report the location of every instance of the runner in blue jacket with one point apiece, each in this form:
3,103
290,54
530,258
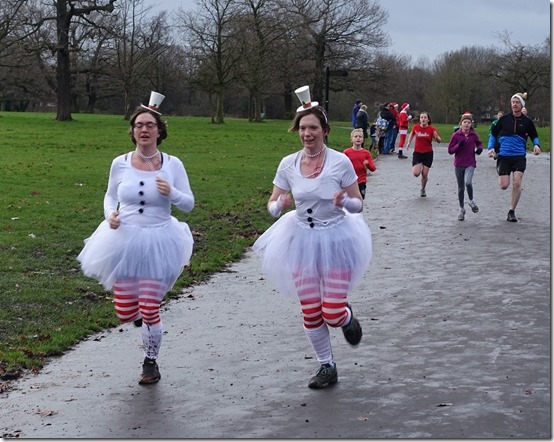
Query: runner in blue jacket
512,131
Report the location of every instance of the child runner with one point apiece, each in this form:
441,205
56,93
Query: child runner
422,160
464,144
361,159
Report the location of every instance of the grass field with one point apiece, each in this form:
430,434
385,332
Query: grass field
53,180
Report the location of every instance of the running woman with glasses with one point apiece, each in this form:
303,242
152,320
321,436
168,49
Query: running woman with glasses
140,249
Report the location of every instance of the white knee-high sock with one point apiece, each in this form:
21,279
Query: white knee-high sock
152,339
321,343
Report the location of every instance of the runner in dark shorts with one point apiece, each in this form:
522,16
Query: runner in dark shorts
422,158
424,134
511,132
507,165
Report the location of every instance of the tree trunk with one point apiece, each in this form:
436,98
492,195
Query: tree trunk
219,108
63,72
290,108
257,107
92,97
127,104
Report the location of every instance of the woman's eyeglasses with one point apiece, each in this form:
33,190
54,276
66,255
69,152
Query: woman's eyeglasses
148,125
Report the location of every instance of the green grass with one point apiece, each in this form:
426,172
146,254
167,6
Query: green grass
53,180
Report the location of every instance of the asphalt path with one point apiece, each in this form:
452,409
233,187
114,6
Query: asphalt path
456,320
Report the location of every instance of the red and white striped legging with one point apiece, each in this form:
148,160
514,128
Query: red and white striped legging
324,298
139,298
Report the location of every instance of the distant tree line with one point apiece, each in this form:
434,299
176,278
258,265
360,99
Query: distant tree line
244,58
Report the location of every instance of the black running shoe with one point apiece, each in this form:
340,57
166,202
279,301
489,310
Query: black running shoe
461,215
150,372
512,216
353,331
474,207
326,375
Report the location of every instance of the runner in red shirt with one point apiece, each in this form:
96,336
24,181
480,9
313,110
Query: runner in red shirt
361,159
422,160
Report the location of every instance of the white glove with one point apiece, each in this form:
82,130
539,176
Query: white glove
353,205
274,207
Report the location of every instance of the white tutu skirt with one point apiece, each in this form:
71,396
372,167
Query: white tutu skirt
290,249
129,252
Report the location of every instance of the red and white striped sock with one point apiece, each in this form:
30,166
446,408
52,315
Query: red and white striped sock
308,290
335,291
151,294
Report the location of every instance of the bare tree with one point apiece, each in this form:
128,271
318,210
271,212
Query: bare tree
44,48
261,31
66,11
335,32
482,80
458,85
138,41
21,79
521,68
384,77
91,65
211,33
62,13
245,51
12,30
158,46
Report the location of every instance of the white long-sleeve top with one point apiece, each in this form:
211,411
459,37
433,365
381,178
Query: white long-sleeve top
134,194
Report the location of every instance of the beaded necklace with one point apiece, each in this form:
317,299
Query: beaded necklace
312,155
147,159
318,167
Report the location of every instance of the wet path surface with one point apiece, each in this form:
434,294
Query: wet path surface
456,319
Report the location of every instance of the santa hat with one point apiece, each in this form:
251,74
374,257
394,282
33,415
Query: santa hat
405,106
303,94
520,96
466,116
155,102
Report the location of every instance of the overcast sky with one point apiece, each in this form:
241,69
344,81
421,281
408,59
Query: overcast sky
432,27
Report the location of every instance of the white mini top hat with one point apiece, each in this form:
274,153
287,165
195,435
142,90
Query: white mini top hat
155,102
303,94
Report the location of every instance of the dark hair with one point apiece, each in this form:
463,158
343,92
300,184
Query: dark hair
426,113
318,111
162,127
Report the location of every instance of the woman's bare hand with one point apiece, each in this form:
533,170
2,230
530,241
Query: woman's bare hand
113,220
